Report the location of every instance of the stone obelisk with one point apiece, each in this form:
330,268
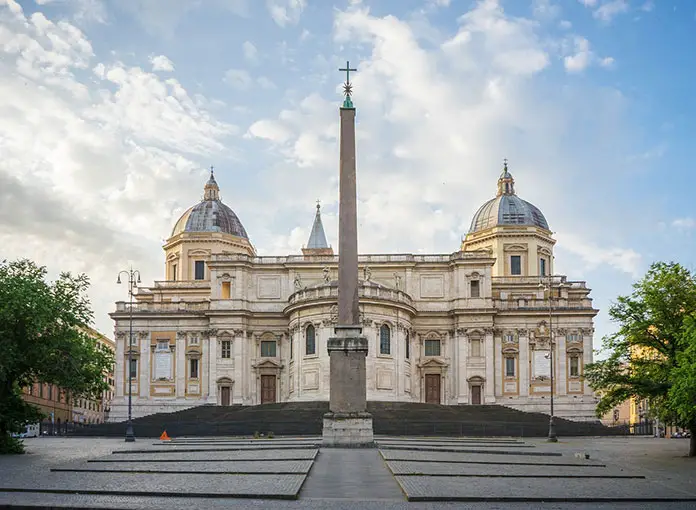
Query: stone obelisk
347,424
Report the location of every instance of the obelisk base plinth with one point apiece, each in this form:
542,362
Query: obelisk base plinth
348,424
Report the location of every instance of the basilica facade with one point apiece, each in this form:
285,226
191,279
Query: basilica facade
489,323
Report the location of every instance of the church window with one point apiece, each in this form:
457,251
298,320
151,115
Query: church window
384,340
292,343
174,272
516,264
310,343
193,340
509,366
226,349
225,290
432,347
133,368
268,349
574,337
575,366
475,348
509,338
162,345
475,289
199,269
193,368
408,346
542,266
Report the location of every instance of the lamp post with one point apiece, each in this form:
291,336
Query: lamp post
552,425
133,279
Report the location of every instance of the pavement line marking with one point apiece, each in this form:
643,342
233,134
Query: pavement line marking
182,472
125,461
499,475
156,494
487,452
194,450
493,462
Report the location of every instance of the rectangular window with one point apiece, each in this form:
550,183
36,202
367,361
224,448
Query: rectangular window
193,340
268,349
225,290
408,346
41,391
509,338
174,272
475,289
476,348
133,368
199,270
542,267
574,337
193,368
509,367
292,350
516,264
162,345
574,366
432,347
226,349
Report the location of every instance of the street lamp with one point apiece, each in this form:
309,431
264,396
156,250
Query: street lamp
552,425
133,280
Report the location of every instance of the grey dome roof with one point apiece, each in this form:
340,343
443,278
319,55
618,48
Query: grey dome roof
507,209
210,215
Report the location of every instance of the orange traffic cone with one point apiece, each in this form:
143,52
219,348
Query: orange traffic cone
165,436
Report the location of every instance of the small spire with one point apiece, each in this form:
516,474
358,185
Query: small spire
506,183
347,86
317,238
211,190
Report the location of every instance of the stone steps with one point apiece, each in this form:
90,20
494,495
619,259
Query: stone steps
389,418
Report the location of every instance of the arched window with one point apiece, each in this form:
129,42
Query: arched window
384,340
310,340
408,346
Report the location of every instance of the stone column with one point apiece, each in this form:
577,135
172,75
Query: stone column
239,362
181,364
144,363
524,374
489,397
347,423
212,348
462,360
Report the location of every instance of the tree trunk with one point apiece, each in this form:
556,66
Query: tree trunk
692,441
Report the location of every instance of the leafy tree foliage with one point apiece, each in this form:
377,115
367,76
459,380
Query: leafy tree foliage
42,339
653,354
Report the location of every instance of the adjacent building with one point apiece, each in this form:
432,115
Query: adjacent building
480,325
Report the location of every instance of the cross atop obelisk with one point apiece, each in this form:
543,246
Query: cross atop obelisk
347,86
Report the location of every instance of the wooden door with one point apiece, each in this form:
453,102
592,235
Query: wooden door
432,388
225,395
476,395
268,389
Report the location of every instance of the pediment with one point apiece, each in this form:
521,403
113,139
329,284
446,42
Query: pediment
433,363
269,363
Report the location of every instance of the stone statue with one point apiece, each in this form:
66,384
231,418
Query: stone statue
327,274
397,281
298,282
367,274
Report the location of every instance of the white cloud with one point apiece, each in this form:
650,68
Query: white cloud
594,255
582,57
565,24
265,83
238,78
684,223
82,10
250,51
161,63
648,6
588,3
608,11
82,161
286,12
545,9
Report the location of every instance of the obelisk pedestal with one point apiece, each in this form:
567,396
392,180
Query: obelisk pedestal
347,424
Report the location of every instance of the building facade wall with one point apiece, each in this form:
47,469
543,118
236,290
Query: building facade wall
210,341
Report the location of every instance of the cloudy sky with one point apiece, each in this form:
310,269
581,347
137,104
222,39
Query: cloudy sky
110,112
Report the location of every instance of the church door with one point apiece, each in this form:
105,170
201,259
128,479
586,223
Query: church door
268,389
432,388
476,394
225,395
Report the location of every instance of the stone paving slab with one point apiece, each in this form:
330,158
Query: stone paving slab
464,444
434,488
462,439
207,456
212,467
162,485
497,451
446,469
481,458
210,448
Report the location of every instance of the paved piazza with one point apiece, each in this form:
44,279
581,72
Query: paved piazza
297,473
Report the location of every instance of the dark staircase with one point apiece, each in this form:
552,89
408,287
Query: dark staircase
389,418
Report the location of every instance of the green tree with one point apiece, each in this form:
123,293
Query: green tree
42,339
649,356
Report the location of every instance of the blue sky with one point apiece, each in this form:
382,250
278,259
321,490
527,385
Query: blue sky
110,112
